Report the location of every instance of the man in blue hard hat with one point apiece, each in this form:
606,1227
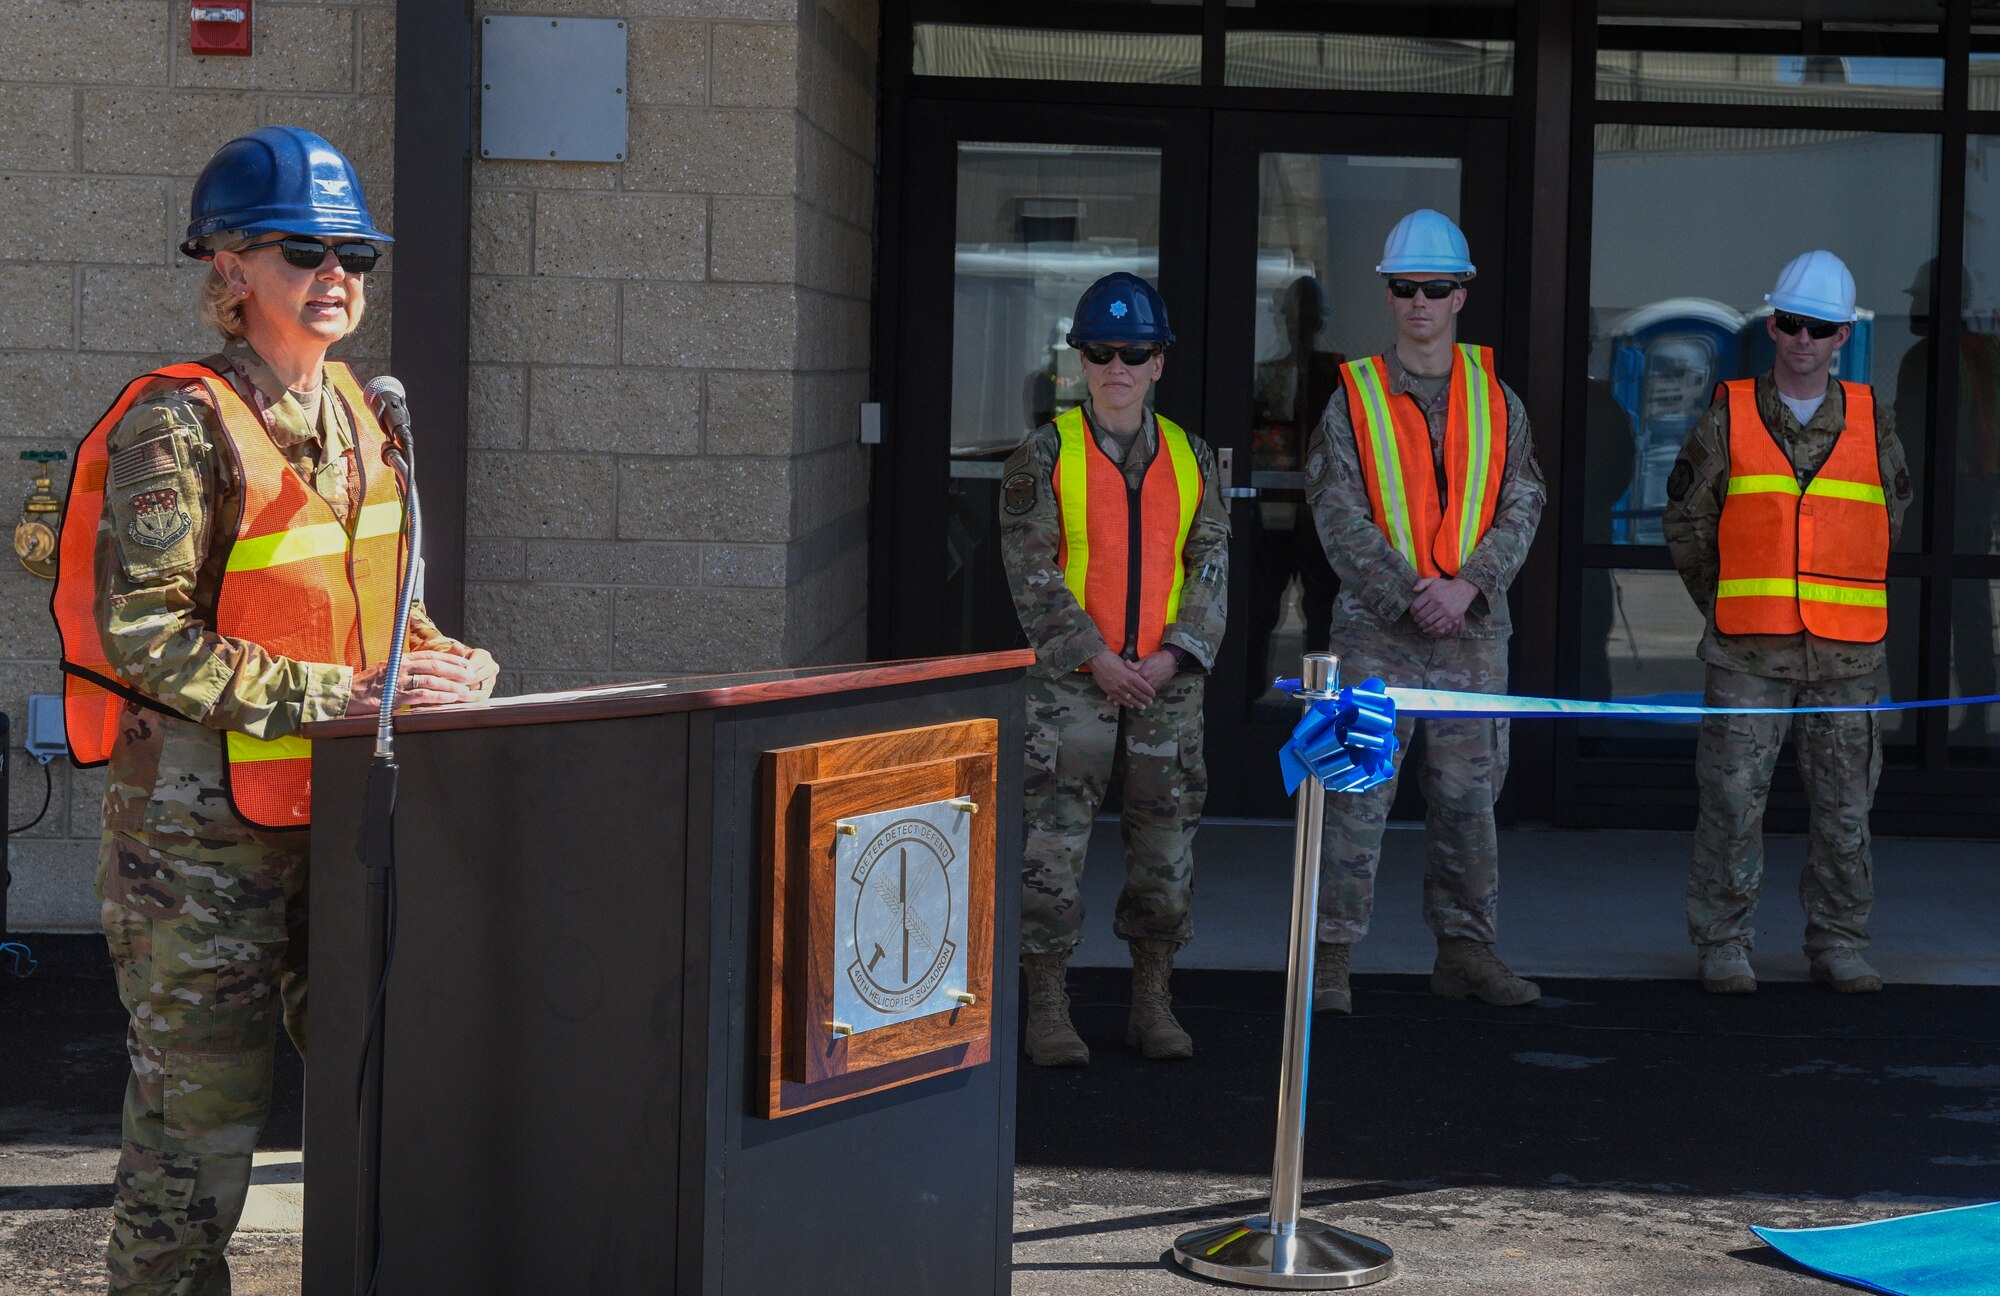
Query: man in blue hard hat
1116,544
1424,487
229,578
1781,511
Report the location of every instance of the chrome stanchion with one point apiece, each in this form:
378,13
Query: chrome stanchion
1280,1250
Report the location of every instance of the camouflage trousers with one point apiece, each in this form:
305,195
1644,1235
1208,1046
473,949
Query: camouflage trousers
1078,742
1840,760
1464,763
208,940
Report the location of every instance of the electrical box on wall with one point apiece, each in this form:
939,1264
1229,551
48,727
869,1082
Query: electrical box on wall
552,88
219,28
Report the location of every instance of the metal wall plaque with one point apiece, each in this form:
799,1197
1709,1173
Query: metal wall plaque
899,913
552,88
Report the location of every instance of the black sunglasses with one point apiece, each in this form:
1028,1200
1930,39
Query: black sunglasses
1435,289
1133,356
308,253
1790,324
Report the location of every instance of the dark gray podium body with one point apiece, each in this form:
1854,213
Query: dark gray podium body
572,1064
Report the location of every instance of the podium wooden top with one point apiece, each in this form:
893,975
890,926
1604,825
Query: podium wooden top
690,693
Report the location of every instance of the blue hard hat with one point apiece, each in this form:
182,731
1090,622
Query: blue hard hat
1426,242
278,178
1120,307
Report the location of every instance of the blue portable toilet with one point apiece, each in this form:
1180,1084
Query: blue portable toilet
1666,359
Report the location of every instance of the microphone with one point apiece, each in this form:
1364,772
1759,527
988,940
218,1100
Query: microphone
390,403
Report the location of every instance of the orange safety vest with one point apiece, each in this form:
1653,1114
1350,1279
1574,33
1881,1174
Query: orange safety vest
1798,559
295,581
1120,549
1394,440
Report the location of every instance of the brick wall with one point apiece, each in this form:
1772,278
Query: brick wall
668,356
105,120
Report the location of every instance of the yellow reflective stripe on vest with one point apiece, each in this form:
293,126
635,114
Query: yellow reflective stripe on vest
1852,490
1374,389
1073,499
319,540
1846,595
1187,478
242,747
1764,484
1761,587
1479,449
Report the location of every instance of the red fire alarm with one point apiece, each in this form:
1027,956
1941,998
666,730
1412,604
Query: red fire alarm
219,28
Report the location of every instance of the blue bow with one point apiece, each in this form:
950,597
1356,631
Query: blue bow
1348,741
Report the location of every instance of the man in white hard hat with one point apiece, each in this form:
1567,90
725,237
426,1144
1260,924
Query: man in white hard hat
1780,514
1425,491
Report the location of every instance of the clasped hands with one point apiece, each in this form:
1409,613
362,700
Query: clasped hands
1133,684
429,677
1440,604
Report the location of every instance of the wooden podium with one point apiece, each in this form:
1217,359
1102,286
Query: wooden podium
586,1059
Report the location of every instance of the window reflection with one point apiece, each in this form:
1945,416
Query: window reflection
1976,528
1041,54
1347,61
1689,228
1975,653
1036,225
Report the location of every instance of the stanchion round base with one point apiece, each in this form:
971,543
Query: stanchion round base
1316,1257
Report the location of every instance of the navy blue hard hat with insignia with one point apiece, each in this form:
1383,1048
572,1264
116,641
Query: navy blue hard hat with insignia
281,179
1120,307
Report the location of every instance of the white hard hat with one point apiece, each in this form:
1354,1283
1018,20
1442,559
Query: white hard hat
1426,242
1817,284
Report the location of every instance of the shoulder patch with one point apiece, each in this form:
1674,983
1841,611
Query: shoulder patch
159,518
1680,480
1019,493
1903,484
1695,452
1316,466
151,458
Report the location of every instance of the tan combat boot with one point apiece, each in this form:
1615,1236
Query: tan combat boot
1050,1039
1467,969
1151,1028
1330,993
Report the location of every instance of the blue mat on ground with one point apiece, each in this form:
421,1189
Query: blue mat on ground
1939,1253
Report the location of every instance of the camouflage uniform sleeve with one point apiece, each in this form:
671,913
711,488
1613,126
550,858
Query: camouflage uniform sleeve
1895,468
1695,491
154,543
1060,631
1496,560
1205,591
1361,555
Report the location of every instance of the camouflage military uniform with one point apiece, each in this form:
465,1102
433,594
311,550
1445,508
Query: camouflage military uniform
205,915
1464,761
1078,740
1840,756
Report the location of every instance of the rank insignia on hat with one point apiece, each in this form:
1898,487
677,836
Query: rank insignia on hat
1019,493
158,518
1118,310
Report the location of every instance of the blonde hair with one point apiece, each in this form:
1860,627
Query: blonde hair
216,303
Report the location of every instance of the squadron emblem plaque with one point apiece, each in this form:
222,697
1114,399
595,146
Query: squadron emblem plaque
899,913
878,912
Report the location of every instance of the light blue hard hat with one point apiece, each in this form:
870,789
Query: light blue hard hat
1426,242
1817,284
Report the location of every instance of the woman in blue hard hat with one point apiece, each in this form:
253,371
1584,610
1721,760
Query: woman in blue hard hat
230,562
1116,544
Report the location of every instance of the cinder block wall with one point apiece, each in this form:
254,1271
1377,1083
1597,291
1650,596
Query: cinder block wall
669,354
105,119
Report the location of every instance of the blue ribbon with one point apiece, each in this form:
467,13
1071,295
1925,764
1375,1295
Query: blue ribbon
1348,742
1419,703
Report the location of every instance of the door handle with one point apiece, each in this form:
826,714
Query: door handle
1225,468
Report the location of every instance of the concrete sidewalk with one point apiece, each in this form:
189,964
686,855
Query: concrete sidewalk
1574,904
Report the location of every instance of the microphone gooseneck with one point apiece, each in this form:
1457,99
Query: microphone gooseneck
387,399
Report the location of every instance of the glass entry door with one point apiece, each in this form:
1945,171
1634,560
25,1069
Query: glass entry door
1301,207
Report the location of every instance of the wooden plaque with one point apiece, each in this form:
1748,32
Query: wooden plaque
808,792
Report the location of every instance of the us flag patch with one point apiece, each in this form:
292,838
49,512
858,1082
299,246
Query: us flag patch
153,458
